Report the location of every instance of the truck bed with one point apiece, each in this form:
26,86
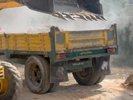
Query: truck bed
85,42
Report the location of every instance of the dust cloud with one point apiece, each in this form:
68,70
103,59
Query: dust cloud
120,12
20,19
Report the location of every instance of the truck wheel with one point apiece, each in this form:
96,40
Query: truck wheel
53,87
37,74
88,76
12,82
101,78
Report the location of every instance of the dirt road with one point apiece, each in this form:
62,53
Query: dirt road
109,89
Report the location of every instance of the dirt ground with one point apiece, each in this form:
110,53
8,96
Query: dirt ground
109,89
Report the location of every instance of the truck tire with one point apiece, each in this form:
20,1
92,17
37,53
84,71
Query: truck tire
88,76
37,74
101,78
14,82
53,87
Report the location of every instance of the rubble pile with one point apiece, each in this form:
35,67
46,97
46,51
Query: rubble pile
128,84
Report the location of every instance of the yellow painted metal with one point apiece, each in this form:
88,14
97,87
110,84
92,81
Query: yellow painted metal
41,41
106,38
26,42
3,86
66,40
9,4
57,56
114,50
84,39
1,72
2,42
93,39
113,41
90,34
45,55
3,81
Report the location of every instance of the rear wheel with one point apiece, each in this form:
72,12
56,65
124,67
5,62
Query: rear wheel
11,86
37,74
100,79
88,76
53,87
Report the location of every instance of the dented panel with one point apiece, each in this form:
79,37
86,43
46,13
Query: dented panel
85,39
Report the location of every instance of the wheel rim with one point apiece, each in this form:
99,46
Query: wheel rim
3,86
85,74
35,74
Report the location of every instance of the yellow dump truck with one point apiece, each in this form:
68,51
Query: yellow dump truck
49,56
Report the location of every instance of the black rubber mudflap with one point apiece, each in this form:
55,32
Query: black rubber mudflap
103,66
58,72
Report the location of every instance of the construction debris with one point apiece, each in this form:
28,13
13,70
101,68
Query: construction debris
128,84
129,80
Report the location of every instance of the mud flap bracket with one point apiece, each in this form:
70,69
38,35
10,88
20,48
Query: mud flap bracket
103,66
58,72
